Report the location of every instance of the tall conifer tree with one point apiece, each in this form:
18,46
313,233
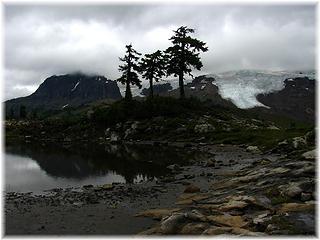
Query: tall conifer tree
129,70
152,67
184,55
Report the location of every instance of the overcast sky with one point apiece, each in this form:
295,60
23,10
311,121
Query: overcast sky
44,40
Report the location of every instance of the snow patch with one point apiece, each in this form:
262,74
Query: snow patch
64,106
75,86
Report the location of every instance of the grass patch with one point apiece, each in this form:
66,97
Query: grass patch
264,138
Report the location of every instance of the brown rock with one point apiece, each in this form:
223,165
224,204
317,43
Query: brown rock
228,220
233,204
296,207
192,189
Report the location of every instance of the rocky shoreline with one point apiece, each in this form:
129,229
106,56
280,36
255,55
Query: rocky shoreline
235,190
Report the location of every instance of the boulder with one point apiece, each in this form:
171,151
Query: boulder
299,142
310,154
283,143
296,207
293,190
306,196
114,137
135,125
253,149
273,128
192,189
204,128
174,167
262,218
181,130
227,220
196,216
172,224
107,132
233,204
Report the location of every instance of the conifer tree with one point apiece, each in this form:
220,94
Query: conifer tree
184,55
129,70
152,67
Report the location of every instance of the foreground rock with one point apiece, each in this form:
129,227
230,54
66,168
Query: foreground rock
269,197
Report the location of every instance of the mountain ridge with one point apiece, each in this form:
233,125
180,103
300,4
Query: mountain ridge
72,90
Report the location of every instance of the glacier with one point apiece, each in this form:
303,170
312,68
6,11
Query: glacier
242,86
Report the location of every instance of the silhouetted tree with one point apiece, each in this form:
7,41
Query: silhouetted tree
22,112
129,70
184,54
152,67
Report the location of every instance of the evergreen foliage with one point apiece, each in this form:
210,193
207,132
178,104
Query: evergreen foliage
152,67
184,55
129,70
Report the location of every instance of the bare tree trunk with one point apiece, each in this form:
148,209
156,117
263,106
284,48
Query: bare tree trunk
181,85
151,88
128,95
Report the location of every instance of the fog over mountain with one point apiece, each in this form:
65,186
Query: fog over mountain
46,40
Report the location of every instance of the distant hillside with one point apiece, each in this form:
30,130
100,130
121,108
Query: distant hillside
296,100
70,90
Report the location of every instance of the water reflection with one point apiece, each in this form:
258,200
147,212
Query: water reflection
31,167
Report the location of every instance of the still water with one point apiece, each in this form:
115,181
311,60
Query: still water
35,168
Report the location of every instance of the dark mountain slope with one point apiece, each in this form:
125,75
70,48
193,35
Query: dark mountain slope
70,90
296,100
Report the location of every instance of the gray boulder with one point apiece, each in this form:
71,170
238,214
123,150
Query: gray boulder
310,154
204,128
114,137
